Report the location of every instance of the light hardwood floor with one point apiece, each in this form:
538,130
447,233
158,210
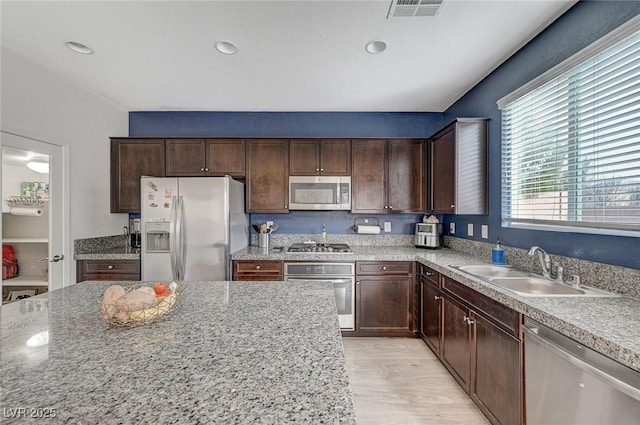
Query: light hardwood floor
399,381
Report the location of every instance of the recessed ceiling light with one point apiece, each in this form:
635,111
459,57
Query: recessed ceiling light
375,46
79,47
226,47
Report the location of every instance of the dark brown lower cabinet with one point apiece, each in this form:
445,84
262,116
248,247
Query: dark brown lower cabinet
431,315
384,299
497,370
384,304
456,341
480,345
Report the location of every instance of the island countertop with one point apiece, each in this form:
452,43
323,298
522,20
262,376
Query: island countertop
229,354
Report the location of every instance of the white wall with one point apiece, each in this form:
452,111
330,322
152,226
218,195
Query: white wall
38,104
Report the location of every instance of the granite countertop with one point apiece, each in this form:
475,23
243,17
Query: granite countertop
117,253
225,356
606,324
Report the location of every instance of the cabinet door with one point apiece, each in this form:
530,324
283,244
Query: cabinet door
186,157
443,169
267,176
498,374
431,313
304,158
335,157
383,304
456,341
130,160
226,157
368,176
406,176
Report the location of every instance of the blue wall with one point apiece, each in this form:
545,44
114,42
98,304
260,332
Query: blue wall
284,124
296,124
583,24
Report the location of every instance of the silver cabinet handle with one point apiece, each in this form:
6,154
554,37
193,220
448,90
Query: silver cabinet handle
386,207
201,168
317,169
453,206
468,320
110,266
257,267
428,274
322,170
206,169
384,267
437,298
358,282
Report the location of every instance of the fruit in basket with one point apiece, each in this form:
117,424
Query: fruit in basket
163,307
139,299
160,288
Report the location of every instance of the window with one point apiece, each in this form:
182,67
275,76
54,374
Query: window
571,142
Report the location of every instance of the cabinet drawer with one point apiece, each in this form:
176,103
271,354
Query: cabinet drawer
430,275
113,266
108,270
384,267
257,267
502,315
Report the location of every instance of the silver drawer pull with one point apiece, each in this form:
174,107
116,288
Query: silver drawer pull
257,267
384,267
437,298
110,266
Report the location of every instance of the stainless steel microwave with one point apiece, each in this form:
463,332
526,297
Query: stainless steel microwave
319,192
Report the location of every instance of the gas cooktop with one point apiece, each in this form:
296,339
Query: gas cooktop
332,248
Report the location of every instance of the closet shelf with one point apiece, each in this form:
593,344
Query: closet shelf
25,240
25,280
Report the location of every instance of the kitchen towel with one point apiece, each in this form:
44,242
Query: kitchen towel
369,230
26,211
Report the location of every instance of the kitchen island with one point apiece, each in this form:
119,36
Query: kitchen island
229,354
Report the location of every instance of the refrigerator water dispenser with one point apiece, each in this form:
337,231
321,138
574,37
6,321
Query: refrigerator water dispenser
157,236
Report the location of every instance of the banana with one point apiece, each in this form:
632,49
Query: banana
159,309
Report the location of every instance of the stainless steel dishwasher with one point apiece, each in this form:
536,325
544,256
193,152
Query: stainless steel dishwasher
567,383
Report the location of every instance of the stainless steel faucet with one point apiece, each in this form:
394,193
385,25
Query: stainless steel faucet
544,259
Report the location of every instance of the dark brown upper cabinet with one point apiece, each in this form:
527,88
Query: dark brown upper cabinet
267,176
320,157
205,157
387,176
130,160
458,164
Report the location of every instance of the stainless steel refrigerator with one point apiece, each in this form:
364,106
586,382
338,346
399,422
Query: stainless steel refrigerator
190,227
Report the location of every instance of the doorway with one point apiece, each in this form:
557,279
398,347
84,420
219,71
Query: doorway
33,222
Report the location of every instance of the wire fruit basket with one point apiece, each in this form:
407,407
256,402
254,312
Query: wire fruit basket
135,314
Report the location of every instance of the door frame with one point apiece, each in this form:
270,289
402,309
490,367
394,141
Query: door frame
59,234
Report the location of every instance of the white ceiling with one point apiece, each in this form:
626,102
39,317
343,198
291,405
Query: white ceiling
293,55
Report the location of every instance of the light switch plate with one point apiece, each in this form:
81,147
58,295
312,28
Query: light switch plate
452,228
269,223
470,229
485,231
387,226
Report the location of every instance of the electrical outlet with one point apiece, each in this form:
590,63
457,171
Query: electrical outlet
387,226
470,229
485,231
452,228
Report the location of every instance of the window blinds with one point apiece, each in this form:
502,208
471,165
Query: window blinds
571,144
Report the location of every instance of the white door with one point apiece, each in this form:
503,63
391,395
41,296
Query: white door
59,249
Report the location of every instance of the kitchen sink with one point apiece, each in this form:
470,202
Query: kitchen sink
528,284
488,271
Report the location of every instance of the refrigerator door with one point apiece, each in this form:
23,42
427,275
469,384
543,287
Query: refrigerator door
205,227
238,220
156,195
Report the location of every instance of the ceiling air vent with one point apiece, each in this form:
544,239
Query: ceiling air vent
412,8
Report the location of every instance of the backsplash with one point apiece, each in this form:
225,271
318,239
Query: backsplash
90,245
621,280
286,239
